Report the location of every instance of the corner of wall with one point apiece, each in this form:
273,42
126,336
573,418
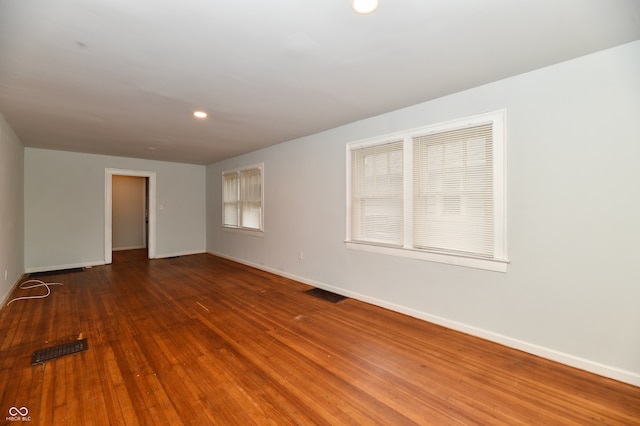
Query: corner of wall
11,209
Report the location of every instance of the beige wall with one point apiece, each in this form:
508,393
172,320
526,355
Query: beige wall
11,209
65,207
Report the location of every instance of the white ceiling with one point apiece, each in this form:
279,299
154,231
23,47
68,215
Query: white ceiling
122,77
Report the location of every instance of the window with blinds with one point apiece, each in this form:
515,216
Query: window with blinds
434,193
242,198
377,194
453,191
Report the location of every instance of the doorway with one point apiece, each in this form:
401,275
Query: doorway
129,219
128,235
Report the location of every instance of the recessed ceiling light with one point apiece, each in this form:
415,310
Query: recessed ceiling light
200,114
365,6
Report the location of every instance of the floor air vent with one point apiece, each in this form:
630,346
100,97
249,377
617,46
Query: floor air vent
326,295
58,272
42,355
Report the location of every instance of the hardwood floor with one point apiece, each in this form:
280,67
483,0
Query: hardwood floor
202,340
122,256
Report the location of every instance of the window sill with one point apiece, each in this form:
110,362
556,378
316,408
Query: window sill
495,265
245,231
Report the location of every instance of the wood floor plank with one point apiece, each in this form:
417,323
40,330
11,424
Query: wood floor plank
203,340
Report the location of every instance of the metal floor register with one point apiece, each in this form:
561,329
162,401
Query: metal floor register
42,355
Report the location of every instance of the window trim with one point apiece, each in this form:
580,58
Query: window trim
241,229
500,260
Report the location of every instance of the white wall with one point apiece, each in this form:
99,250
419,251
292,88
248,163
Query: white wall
128,201
64,207
572,290
11,209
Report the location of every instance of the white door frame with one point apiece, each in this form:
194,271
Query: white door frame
108,205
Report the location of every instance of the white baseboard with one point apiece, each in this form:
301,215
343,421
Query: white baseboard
101,262
67,266
543,352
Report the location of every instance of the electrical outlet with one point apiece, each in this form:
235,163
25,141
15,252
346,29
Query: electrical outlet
300,255
6,275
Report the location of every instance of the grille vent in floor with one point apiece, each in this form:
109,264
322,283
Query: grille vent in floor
58,272
326,295
42,355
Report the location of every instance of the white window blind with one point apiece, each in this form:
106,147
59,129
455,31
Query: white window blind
231,199
377,194
242,198
251,198
453,191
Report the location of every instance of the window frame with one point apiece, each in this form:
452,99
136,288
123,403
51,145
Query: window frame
239,201
499,261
